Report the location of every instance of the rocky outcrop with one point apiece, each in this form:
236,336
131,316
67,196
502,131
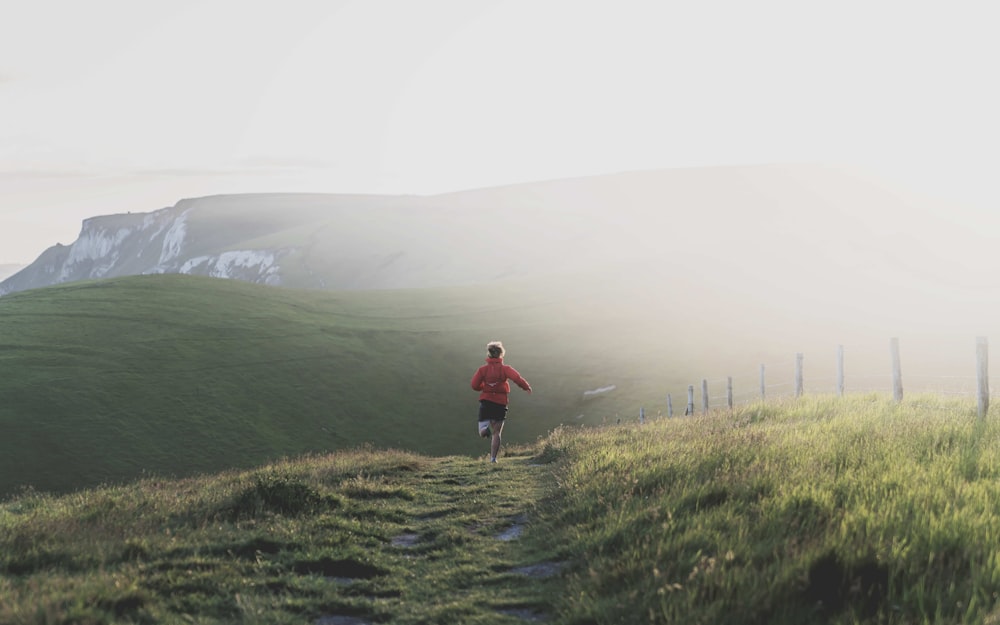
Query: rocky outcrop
307,241
132,244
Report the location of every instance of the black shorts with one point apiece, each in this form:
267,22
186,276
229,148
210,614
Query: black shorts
491,411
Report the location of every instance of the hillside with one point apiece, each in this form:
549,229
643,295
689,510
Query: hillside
174,375
850,511
358,537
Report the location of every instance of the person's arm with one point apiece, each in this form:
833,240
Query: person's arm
478,379
518,379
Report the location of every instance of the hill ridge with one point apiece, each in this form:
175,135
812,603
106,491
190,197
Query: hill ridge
834,220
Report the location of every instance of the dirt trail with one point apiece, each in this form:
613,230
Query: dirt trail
470,530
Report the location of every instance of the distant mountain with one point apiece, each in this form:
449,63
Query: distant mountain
801,236
308,241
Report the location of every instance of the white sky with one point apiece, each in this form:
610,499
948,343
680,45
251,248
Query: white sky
115,105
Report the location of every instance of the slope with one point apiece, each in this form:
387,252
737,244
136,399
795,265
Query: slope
172,374
109,380
357,537
822,510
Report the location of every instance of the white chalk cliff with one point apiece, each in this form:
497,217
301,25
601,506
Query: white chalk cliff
157,242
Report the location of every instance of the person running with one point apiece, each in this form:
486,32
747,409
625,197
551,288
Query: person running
492,381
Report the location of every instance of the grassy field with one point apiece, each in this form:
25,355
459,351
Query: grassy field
174,375
375,536
820,510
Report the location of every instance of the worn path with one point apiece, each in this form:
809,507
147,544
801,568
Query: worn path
465,547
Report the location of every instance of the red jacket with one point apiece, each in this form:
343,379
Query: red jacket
492,371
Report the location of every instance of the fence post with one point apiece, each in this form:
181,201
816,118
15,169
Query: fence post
982,375
670,406
729,392
704,395
762,386
840,371
690,406
897,373
798,374
642,415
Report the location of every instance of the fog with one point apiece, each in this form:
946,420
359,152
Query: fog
730,268
187,98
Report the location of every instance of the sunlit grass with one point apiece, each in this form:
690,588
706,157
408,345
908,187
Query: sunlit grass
817,510
852,510
289,542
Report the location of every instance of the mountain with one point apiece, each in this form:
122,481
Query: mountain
766,231
309,241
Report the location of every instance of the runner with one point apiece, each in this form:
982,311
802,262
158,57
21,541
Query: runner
492,381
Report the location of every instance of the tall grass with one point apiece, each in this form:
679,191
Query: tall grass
817,510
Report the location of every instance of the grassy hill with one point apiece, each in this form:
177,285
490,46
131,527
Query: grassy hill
821,510
176,375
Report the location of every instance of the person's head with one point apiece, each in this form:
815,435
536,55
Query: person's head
495,349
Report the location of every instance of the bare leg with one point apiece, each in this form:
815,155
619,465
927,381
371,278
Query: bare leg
495,446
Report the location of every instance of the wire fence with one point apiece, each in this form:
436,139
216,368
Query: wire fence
709,394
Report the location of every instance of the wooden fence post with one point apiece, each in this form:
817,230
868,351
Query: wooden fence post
704,395
762,386
798,374
982,375
690,406
729,392
840,371
897,373
670,406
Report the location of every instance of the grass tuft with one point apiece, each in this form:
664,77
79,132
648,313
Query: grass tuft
277,494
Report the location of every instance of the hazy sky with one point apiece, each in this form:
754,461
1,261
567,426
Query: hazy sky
115,105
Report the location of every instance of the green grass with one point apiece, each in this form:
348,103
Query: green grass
820,510
290,542
172,375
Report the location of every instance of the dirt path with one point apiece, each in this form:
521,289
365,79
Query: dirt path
467,547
